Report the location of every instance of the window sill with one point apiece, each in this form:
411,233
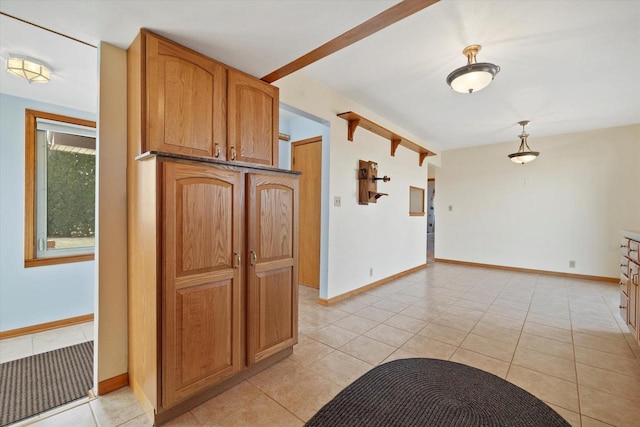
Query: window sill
39,262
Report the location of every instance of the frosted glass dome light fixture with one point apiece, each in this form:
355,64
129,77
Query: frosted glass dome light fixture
30,69
524,153
474,76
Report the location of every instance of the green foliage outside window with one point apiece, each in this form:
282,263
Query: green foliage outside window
70,194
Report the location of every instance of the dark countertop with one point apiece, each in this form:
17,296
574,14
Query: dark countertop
213,161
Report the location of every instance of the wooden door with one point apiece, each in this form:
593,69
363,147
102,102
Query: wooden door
201,269
252,120
306,156
186,101
272,291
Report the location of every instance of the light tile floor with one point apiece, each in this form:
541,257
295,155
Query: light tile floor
561,339
41,342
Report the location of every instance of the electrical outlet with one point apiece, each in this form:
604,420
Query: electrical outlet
572,264
371,272
450,208
337,201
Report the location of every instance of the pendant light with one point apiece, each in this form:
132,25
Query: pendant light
29,69
474,76
524,153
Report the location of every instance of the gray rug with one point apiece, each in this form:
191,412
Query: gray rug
38,383
433,392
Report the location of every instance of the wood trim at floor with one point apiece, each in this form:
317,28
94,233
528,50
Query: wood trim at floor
112,384
46,326
530,270
342,297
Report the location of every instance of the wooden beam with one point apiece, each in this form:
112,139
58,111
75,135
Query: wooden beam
382,20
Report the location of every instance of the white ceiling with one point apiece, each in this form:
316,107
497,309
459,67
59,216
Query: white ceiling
73,81
567,66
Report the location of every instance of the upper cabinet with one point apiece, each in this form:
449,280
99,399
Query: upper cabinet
186,95
253,119
187,103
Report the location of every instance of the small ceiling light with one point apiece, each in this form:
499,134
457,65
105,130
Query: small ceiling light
28,68
474,76
524,154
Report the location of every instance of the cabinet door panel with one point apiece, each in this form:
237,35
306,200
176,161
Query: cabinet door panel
275,318
203,331
275,225
186,97
273,271
253,120
634,296
206,225
201,294
624,307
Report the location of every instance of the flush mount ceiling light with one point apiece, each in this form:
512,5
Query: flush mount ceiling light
28,68
474,76
524,154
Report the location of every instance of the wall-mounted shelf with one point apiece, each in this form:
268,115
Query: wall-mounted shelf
396,140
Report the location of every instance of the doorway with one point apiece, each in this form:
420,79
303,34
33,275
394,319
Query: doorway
46,308
431,215
306,157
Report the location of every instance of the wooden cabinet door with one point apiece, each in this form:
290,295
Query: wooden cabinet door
272,291
201,303
186,96
252,120
634,297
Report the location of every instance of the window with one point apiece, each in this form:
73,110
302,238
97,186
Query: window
416,201
60,189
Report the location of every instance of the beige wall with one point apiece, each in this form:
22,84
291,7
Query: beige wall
365,243
566,205
111,236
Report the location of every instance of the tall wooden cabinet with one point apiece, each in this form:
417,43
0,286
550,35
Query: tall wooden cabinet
194,105
212,228
212,277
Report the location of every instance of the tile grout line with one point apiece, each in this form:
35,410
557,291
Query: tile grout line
575,360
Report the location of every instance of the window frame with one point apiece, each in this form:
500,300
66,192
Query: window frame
30,206
411,190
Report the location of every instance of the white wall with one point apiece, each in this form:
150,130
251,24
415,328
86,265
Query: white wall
566,205
35,295
381,236
111,218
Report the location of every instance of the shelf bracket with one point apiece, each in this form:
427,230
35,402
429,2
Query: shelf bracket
395,143
353,125
422,157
